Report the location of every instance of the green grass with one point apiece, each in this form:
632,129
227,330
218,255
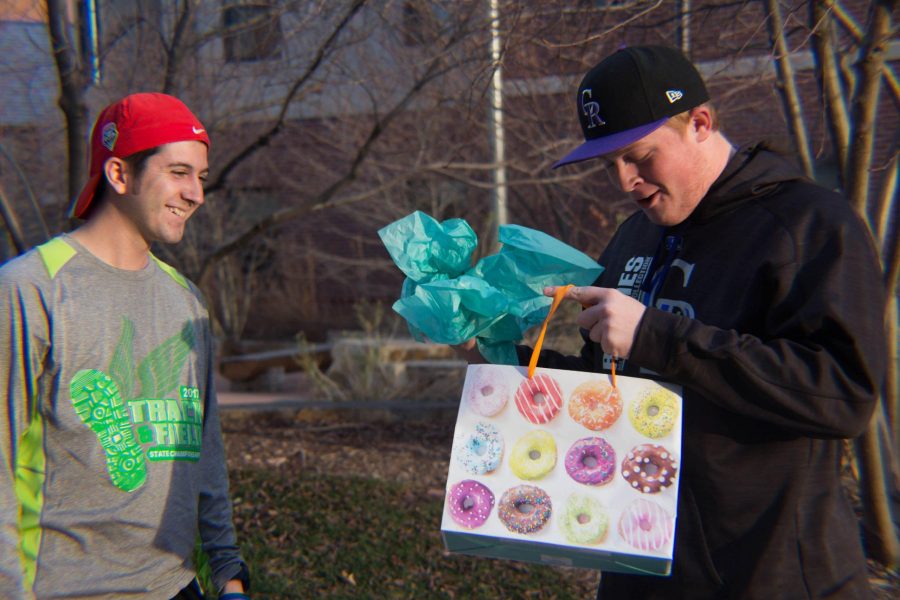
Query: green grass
315,536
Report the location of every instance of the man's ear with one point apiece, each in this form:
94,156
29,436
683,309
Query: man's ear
116,172
701,122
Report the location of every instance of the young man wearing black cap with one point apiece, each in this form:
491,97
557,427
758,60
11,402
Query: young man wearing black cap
112,459
760,293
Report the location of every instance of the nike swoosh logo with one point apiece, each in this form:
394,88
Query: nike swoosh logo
195,130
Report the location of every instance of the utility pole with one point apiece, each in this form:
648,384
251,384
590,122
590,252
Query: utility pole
496,122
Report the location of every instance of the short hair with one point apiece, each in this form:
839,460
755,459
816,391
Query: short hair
137,164
681,120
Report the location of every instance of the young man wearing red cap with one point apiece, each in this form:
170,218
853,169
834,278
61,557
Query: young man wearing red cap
760,293
112,458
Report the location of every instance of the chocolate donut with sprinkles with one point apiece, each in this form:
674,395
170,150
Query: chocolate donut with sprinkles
649,468
525,509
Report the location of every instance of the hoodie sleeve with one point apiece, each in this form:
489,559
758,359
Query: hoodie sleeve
815,365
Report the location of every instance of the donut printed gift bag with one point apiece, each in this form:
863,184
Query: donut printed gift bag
565,468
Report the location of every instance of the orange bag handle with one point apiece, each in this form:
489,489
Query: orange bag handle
557,298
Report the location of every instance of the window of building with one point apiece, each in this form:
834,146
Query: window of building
421,22
252,31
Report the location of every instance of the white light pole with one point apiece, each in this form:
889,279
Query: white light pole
496,120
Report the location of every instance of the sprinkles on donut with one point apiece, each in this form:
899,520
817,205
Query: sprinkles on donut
591,461
649,468
479,452
470,503
653,414
525,509
584,520
595,404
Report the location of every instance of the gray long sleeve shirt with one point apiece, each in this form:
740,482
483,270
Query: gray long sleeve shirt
111,458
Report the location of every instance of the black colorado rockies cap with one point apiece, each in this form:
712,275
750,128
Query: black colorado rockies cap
631,93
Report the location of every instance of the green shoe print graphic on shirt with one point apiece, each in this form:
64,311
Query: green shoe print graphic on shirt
99,399
99,405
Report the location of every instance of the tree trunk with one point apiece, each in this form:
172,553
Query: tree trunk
829,76
12,223
881,536
865,106
73,84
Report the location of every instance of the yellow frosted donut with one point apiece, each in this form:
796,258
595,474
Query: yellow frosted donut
653,414
533,455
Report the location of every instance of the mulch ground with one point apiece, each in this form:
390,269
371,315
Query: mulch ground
380,446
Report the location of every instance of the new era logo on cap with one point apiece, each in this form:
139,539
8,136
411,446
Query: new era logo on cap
631,93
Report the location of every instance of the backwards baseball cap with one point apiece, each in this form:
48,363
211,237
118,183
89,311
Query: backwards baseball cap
631,93
135,123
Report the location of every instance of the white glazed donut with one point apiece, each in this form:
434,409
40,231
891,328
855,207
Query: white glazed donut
487,394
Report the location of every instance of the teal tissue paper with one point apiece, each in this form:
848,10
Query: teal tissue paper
448,300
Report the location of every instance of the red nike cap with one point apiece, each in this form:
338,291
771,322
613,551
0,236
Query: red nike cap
135,123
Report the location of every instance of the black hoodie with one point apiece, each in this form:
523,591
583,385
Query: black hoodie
768,309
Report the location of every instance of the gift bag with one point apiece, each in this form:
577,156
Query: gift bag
563,468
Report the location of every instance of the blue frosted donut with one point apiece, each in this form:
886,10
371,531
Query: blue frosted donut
479,452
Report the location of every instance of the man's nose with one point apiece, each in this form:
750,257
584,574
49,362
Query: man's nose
626,175
194,191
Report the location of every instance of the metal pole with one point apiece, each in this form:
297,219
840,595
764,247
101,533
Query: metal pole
684,27
496,121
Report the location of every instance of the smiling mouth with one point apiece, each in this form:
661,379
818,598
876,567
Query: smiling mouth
177,211
648,199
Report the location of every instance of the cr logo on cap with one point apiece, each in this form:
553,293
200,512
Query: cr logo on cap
591,109
110,135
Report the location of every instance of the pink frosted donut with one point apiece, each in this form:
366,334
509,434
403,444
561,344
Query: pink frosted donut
591,461
539,399
487,395
646,525
470,503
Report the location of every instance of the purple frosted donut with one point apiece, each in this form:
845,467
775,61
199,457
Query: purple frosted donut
470,503
591,461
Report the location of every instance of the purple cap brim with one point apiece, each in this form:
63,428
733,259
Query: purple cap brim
609,143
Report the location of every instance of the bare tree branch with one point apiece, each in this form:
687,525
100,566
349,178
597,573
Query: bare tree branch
598,36
174,50
852,27
787,83
828,73
324,200
12,223
885,202
264,139
865,105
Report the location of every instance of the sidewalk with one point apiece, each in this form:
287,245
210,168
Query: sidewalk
261,401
